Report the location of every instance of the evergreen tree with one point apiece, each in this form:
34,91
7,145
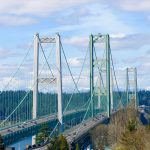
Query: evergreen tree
1,143
77,147
63,143
43,134
132,125
58,143
134,138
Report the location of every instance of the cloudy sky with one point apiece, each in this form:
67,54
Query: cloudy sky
127,22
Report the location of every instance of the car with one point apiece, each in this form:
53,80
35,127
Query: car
84,124
19,126
8,130
35,122
28,147
34,146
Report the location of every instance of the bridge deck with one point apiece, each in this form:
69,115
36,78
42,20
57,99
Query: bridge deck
75,134
32,123
71,134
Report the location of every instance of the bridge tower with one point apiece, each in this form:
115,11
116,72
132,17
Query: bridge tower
111,89
36,72
99,39
50,80
131,86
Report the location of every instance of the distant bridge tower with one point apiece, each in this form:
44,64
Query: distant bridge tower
58,79
99,39
111,89
131,86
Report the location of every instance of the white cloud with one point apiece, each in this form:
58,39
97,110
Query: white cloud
128,42
98,19
77,41
5,53
75,62
22,12
132,5
118,41
37,8
118,35
10,20
10,53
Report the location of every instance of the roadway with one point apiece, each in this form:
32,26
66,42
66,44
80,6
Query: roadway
74,134
78,131
32,123
27,124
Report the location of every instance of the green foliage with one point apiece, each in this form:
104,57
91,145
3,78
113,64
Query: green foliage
58,143
47,102
1,143
132,125
122,128
77,147
63,143
134,138
43,134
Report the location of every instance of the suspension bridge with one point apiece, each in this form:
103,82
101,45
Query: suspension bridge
33,98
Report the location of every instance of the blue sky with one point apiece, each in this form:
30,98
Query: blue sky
127,22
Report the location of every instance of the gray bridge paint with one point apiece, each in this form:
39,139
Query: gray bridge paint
15,133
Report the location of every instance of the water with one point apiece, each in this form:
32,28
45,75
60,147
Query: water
107,148
21,145
89,148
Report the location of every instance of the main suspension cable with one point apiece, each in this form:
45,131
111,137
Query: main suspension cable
69,68
120,96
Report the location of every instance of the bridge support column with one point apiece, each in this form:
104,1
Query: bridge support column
98,39
36,68
131,82
108,75
35,88
33,139
59,81
111,89
127,92
99,93
136,92
92,75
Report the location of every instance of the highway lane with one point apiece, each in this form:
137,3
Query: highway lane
35,122
85,127
75,134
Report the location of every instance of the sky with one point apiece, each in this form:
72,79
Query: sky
127,22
